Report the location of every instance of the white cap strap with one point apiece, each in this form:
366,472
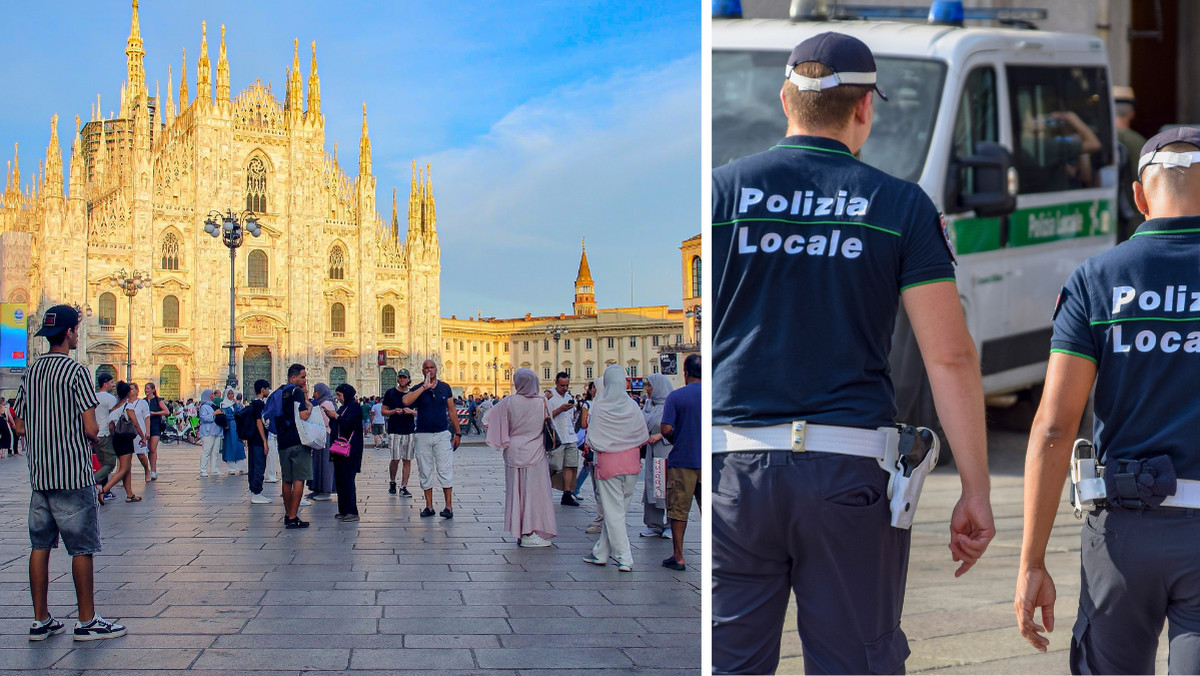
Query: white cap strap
1168,159
812,84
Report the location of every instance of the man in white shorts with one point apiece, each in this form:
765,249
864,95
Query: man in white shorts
401,424
434,403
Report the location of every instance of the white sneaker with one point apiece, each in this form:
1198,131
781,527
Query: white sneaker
154,476
271,480
323,496
651,533
666,535
534,540
261,499
304,502
204,475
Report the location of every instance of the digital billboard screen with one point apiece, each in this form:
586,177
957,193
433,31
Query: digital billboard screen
14,338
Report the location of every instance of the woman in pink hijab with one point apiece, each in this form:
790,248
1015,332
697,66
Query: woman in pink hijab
515,427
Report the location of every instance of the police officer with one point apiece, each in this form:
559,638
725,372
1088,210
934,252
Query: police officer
813,249
1129,321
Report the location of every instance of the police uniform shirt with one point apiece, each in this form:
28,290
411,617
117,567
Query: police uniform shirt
812,249
1134,310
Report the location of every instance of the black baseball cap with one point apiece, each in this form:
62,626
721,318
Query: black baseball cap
58,319
849,58
1150,151
403,373
102,378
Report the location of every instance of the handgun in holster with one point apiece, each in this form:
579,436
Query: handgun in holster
913,458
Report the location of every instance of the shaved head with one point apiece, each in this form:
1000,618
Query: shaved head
1165,191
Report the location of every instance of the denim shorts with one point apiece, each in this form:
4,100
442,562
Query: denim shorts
71,513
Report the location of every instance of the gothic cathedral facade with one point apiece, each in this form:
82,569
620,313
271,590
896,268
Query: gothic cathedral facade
328,284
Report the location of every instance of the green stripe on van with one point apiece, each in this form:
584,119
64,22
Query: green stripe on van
1037,225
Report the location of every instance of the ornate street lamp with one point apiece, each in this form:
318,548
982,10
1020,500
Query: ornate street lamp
495,367
557,332
694,313
130,285
232,229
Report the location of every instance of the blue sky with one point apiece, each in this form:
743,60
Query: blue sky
545,122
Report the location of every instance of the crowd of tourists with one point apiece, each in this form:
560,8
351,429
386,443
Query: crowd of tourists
81,439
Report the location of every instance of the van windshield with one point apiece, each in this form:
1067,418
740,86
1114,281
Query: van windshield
747,117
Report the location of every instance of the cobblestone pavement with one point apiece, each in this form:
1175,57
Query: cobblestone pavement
967,625
206,581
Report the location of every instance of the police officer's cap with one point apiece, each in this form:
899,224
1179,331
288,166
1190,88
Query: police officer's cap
1152,152
848,57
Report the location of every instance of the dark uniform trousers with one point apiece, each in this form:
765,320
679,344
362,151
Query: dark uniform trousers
1139,569
817,524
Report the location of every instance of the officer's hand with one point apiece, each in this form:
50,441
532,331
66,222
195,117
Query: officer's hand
1035,590
971,529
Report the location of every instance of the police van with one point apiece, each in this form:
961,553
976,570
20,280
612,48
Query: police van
1009,131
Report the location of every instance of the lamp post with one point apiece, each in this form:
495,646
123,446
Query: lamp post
694,313
85,312
130,285
557,332
232,229
495,367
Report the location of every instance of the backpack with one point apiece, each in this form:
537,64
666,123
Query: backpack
246,427
274,408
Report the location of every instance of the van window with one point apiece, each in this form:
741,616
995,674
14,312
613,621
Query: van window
976,120
1061,126
747,117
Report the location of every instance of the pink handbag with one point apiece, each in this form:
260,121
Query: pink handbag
341,446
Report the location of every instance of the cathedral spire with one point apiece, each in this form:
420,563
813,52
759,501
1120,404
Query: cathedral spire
16,167
134,60
76,186
222,72
204,68
314,86
364,147
54,168
431,210
395,219
295,93
185,98
170,103
101,153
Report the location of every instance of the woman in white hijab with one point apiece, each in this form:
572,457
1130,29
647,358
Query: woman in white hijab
616,431
654,510
515,427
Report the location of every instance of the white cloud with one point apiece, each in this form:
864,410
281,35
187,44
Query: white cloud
615,160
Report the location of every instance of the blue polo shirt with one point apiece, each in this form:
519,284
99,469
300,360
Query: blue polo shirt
682,412
432,413
811,250
1134,310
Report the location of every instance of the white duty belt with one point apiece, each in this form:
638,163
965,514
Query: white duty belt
1187,492
801,436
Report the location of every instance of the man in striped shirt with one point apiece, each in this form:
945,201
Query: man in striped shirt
56,411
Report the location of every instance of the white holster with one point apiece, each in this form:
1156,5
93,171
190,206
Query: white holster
907,480
1087,482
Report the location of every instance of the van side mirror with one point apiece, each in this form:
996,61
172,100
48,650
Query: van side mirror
994,192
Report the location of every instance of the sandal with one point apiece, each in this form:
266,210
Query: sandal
133,498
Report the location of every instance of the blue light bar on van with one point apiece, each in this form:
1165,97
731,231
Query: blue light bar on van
946,13
1009,15
726,9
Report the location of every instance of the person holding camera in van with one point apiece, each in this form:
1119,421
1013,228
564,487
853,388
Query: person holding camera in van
1128,321
803,406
